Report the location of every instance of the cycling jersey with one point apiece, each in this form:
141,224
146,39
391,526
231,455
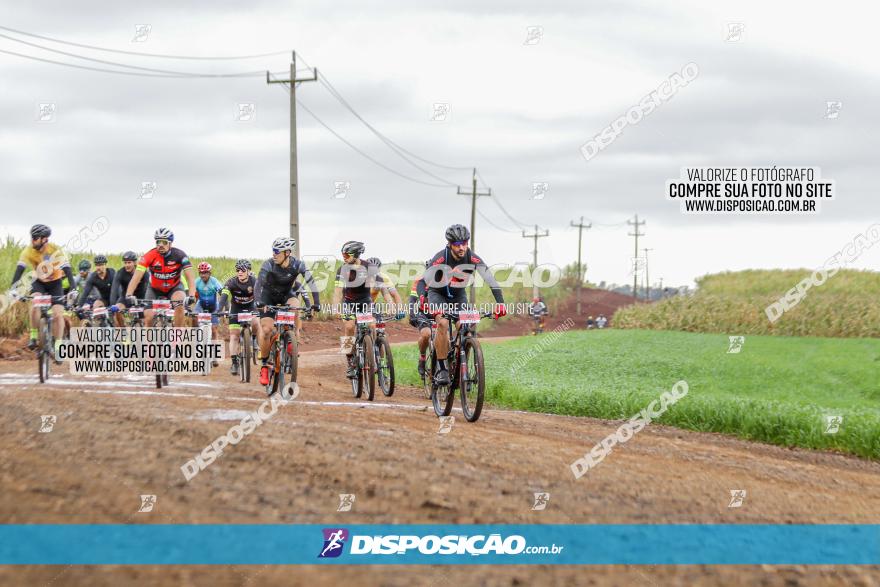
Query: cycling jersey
357,281
51,257
450,282
538,309
165,270
417,296
381,284
94,281
241,292
207,290
120,286
275,283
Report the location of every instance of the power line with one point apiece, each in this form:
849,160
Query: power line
391,144
498,203
486,218
116,64
139,54
354,148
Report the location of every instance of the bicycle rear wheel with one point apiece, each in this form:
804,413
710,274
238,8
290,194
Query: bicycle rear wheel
369,367
385,366
472,381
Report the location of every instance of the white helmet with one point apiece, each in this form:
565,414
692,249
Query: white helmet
163,233
283,243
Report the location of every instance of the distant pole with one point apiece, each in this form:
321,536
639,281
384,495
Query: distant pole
474,194
535,236
581,271
294,179
647,277
636,234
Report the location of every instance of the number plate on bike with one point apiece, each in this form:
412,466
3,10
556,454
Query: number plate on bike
161,304
364,318
98,312
285,317
135,311
468,317
204,318
41,301
244,317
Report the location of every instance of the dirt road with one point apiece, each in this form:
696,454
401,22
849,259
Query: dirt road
115,440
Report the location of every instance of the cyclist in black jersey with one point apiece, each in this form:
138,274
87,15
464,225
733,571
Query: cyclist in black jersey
240,290
274,287
120,285
355,279
101,279
447,278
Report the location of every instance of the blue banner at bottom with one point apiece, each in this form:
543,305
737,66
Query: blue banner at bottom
631,544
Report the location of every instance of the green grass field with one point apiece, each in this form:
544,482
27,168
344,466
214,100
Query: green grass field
776,390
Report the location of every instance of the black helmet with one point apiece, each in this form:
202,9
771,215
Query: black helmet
374,261
353,248
129,256
40,231
84,265
100,260
457,232
242,265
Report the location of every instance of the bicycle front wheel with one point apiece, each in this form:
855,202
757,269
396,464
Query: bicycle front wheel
43,354
245,359
441,396
385,366
369,367
472,380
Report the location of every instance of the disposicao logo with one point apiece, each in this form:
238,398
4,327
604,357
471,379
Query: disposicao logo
334,540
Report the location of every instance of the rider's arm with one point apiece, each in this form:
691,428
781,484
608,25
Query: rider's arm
190,282
313,287
265,268
224,299
87,289
19,271
138,275
487,276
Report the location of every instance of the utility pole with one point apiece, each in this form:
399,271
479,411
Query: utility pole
647,277
580,226
474,194
294,179
636,234
535,236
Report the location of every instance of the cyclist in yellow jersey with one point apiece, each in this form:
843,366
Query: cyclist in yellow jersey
383,285
49,266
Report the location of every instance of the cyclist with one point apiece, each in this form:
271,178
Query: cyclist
275,287
120,284
50,265
447,276
419,319
101,280
240,289
84,267
208,290
537,310
355,279
166,264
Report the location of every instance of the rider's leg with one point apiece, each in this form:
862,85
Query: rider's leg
178,295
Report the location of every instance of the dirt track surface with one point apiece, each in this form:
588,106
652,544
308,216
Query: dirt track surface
115,440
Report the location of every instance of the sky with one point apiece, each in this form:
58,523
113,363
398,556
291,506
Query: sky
518,111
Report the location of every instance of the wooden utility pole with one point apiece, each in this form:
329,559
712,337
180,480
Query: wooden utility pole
636,234
581,270
647,277
294,179
535,236
474,195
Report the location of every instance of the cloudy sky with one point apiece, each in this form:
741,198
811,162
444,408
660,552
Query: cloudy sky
518,111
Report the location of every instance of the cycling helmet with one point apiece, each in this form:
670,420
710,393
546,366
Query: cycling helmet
40,231
84,265
457,232
203,267
163,233
374,261
353,248
100,260
283,243
129,256
242,265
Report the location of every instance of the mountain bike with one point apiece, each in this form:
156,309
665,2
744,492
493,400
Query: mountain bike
537,324
466,369
384,359
46,347
204,321
284,348
247,343
364,357
163,317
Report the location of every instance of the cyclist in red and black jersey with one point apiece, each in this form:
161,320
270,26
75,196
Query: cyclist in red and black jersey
166,264
448,275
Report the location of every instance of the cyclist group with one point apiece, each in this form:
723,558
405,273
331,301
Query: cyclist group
281,281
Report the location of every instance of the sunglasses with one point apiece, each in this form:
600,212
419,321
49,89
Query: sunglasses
163,242
276,251
458,243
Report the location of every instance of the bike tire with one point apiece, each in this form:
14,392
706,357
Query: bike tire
472,380
158,382
429,373
245,359
294,355
43,354
165,380
369,367
385,366
441,397
357,383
